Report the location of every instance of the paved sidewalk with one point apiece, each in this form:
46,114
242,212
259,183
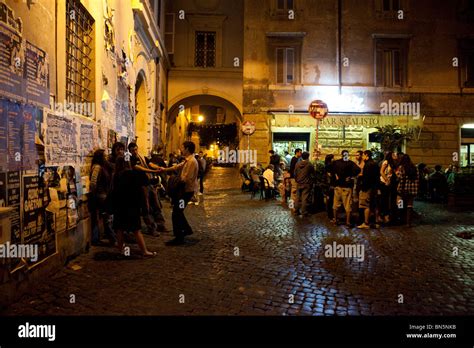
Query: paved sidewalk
279,267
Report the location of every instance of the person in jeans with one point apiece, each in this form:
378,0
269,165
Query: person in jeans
294,188
368,186
304,174
100,187
344,170
202,172
188,173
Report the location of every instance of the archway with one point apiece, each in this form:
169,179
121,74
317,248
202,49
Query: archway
141,108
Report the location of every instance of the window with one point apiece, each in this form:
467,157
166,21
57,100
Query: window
467,62
169,32
285,5
79,43
285,65
156,8
391,5
205,55
391,62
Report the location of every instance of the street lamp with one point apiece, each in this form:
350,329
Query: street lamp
200,118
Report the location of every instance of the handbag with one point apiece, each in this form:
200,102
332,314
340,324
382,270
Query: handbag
175,186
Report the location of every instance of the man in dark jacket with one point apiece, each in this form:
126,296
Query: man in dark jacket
368,187
304,174
294,188
344,170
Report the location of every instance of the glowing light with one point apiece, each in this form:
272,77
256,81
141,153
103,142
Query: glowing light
468,126
200,118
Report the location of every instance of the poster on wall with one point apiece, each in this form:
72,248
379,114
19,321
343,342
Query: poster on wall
36,75
15,135
88,139
3,189
61,144
3,136
13,200
35,229
12,63
29,115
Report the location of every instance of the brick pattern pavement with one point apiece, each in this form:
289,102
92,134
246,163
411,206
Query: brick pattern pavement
279,267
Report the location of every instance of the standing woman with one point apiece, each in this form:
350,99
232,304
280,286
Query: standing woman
388,186
408,182
100,187
130,188
329,183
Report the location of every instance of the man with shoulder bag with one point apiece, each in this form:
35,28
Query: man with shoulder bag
181,188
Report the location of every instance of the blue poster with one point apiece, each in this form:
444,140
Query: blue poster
3,135
36,75
12,63
15,136
30,114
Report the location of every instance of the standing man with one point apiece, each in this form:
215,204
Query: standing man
188,174
369,181
344,170
288,160
355,206
304,175
202,172
275,160
152,203
294,187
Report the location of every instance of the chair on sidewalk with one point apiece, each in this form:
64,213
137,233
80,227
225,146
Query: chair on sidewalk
255,186
265,190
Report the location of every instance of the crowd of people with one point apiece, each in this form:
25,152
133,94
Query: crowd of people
371,193
126,192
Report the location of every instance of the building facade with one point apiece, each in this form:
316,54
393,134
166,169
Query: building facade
76,76
205,45
374,63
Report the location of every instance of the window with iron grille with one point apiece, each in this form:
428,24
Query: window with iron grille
205,55
391,62
79,53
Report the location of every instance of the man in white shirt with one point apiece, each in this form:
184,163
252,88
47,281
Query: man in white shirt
188,174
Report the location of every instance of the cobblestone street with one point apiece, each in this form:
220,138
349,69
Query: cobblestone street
279,256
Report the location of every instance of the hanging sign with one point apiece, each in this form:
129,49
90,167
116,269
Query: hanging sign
248,127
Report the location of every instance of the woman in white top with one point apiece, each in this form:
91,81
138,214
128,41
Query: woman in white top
388,186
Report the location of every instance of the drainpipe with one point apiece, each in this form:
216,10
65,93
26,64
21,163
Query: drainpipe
339,44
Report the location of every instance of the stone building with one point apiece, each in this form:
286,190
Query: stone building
76,75
205,46
374,63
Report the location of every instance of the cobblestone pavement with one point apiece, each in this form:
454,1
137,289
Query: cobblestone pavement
280,259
